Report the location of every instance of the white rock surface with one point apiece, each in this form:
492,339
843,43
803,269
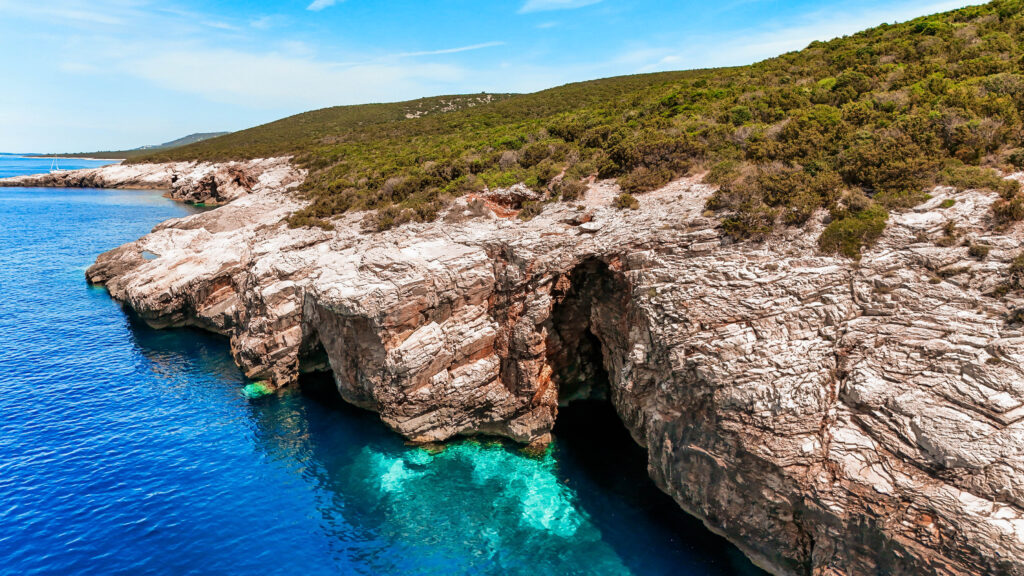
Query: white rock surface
828,416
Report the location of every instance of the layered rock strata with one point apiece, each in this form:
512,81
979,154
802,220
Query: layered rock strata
194,182
828,416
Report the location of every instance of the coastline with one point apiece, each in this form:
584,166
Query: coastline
205,183
470,325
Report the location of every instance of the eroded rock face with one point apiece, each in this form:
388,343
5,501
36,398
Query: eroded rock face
829,417
194,182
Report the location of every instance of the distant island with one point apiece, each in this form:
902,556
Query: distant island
137,152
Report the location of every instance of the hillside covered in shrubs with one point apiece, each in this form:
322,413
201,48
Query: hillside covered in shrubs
859,125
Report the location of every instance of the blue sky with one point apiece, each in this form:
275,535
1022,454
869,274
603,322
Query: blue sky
81,75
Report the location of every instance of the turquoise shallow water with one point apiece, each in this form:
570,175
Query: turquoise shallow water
125,450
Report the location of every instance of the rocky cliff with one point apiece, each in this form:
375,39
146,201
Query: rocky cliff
828,416
194,182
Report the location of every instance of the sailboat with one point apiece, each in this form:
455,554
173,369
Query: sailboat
55,167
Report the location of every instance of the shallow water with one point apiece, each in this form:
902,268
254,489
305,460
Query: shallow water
125,450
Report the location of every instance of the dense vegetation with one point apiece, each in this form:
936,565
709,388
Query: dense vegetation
318,132
859,125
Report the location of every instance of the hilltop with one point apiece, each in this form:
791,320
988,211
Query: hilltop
142,150
304,133
186,140
859,125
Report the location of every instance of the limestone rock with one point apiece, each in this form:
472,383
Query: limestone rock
513,196
829,417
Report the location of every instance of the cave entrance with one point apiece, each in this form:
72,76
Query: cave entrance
320,386
588,322
587,340
588,348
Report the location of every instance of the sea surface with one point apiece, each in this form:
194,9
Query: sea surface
125,450
12,165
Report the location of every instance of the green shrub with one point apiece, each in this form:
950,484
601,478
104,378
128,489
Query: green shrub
979,251
1017,265
849,232
740,115
1016,158
902,199
1009,210
973,177
626,201
854,80
571,190
950,235
750,220
723,173
530,209
645,179
1014,276
931,27
886,162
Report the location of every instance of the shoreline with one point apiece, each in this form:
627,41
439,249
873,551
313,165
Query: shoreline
204,184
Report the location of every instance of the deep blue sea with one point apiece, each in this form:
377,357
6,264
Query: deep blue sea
125,450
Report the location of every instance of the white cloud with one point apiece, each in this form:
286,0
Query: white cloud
77,67
219,25
547,5
319,5
276,80
449,50
262,23
68,12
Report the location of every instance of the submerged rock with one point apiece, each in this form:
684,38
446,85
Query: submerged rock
255,390
829,417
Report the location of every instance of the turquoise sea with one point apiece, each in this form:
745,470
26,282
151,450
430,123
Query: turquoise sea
125,450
